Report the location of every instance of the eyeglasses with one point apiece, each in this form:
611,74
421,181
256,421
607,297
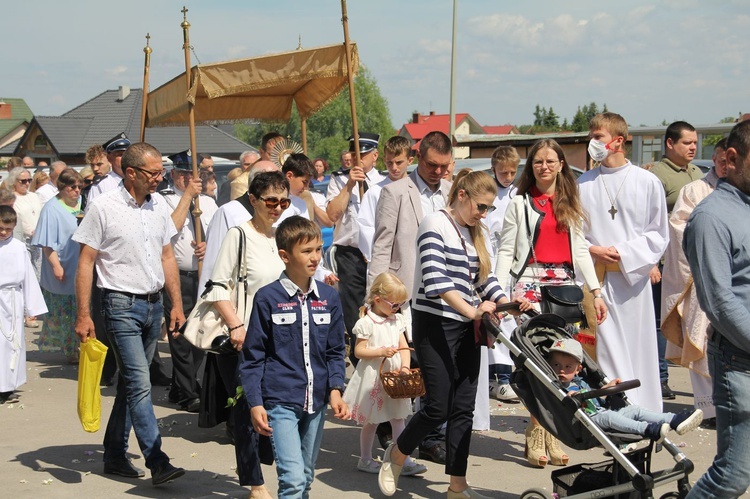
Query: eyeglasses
76,187
489,208
24,180
538,164
88,181
394,306
151,175
273,202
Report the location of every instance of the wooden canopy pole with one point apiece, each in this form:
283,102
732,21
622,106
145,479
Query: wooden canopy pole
144,94
352,103
304,135
191,117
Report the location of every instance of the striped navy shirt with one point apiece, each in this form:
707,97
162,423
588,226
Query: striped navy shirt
444,266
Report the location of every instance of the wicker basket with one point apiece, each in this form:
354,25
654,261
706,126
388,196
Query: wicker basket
402,386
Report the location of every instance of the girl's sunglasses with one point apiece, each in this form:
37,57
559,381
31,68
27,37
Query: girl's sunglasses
273,202
394,306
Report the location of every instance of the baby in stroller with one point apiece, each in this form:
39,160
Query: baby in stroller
566,358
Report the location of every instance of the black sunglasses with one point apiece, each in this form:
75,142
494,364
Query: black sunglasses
24,180
489,208
273,202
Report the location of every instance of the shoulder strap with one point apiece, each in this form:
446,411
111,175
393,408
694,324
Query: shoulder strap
241,294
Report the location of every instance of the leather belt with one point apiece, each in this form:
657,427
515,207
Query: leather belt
151,297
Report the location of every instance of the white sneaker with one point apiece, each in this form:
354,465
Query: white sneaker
505,393
369,466
412,468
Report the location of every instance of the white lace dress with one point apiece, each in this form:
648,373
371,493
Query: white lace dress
364,393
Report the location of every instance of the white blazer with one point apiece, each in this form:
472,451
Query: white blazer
514,251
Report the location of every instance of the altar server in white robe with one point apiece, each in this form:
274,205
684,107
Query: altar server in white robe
628,232
20,295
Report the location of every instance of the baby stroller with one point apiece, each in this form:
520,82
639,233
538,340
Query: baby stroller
625,475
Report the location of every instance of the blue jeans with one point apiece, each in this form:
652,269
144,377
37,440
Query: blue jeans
630,419
729,474
500,373
133,327
296,441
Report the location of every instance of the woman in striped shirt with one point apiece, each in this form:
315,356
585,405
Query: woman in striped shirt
453,286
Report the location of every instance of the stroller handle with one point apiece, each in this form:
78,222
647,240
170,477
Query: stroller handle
513,309
603,392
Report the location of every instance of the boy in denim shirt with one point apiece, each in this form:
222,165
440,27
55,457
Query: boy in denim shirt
292,362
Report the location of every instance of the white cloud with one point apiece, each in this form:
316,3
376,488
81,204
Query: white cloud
117,70
57,100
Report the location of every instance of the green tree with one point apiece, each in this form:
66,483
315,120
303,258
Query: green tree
551,120
329,128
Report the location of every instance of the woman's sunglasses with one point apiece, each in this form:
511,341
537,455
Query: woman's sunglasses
24,180
273,202
489,208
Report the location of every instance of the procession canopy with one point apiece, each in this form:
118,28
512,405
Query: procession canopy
261,88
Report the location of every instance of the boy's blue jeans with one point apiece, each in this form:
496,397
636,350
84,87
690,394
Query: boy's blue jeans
500,373
630,419
729,475
296,441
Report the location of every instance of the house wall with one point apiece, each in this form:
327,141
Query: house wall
28,148
574,153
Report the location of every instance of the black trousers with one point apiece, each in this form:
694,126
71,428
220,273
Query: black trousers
186,359
352,270
449,360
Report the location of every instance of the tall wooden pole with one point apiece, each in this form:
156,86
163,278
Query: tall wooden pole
144,93
191,117
304,135
452,127
352,103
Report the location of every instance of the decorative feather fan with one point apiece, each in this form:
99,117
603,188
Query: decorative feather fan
284,148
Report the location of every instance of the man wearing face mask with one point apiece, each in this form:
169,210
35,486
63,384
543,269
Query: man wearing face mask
627,232
674,171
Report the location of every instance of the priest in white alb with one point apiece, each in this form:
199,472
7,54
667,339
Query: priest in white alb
627,231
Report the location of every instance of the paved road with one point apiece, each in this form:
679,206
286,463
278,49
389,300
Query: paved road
45,452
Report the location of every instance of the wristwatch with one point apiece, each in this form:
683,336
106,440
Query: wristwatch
339,388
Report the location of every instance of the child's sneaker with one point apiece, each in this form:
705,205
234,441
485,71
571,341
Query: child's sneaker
656,432
369,466
412,468
686,421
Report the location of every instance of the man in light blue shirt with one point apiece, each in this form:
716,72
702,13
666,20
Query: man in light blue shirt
717,246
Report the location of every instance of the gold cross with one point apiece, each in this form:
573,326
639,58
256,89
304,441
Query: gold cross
612,211
184,12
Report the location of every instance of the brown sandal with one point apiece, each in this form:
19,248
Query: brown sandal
556,455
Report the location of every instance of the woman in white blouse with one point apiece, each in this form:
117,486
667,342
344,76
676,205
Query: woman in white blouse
269,196
28,208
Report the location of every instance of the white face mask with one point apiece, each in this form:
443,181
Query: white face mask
598,150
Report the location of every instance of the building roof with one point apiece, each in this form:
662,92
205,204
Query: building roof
20,112
423,124
500,129
114,111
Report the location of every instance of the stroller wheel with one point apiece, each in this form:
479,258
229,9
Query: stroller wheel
538,494
672,495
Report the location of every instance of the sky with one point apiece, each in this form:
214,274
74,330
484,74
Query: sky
649,61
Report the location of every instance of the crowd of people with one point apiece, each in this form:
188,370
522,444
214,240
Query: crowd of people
417,258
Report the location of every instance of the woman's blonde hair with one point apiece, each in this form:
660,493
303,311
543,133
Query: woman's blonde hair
38,180
475,184
385,285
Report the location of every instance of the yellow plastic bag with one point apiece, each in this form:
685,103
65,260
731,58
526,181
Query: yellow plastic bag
90,367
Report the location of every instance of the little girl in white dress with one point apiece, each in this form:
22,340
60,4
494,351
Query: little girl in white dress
380,334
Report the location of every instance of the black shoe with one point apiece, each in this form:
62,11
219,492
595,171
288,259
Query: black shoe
108,381
192,405
164,473
161,381
434,453
385,436
666,392
123,467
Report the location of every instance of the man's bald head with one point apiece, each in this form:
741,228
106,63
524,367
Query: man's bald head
260,167
55,169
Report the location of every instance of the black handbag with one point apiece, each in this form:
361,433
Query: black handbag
565,301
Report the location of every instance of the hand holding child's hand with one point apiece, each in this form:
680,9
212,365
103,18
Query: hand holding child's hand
259,417
340,409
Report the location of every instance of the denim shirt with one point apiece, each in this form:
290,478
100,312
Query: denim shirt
294,348
717,246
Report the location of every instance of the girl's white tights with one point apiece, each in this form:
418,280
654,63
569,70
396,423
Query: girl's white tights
367,437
